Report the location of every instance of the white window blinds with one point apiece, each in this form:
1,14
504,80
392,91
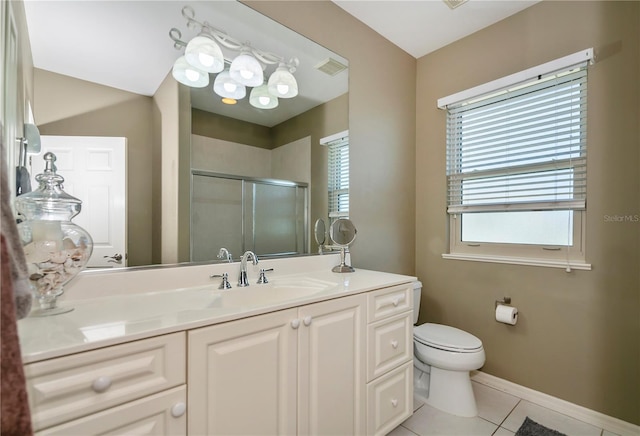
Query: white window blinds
522,148
338,182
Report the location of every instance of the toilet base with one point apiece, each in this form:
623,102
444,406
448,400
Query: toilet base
420,384
451,392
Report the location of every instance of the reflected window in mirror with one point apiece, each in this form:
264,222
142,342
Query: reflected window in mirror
338,174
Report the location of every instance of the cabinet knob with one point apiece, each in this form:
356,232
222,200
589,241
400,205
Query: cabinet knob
394,402
101,384
295,323
307,320
178,409
394,344
396,301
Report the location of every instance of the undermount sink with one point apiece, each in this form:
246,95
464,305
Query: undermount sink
206,299
275,292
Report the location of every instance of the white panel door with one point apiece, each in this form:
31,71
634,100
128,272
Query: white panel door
94,170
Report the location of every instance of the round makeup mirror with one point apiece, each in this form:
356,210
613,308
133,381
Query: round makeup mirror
320,232
342,233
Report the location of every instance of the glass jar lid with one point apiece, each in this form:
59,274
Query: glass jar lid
49,201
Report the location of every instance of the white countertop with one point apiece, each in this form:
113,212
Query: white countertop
102,318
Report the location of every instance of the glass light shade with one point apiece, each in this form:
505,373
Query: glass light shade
262,99
282,84
247,70
203,53
189,75
226,87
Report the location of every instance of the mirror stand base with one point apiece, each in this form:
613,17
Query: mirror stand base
342,268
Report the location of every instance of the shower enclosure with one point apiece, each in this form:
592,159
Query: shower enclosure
266,216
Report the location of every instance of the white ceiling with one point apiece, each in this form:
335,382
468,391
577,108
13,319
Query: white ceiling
422,26
125,44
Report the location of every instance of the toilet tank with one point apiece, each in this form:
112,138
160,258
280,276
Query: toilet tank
417,293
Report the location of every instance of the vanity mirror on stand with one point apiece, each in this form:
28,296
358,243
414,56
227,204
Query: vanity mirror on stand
342,233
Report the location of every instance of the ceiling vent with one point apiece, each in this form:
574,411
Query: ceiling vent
454,3
330,66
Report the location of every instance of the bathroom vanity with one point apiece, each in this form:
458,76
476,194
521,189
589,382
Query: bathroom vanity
310,352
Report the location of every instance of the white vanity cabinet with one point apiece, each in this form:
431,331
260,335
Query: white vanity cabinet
389,358
295,371
132,388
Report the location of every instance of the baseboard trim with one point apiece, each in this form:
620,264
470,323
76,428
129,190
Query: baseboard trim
589,416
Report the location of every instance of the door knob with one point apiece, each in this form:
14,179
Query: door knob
307,320
116,258
295,323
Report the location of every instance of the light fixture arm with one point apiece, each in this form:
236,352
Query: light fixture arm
227,41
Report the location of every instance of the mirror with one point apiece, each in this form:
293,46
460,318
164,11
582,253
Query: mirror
228,140
343,233
320,232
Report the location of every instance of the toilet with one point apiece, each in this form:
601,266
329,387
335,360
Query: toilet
443,356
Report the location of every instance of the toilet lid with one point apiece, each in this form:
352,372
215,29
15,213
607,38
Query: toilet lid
446,338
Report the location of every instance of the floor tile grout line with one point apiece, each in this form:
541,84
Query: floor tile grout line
509,414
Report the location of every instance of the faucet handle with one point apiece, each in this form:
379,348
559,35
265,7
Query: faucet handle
263,278
225,280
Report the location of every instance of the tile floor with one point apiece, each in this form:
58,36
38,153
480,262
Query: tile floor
499,414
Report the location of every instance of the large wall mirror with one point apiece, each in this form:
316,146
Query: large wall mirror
255,178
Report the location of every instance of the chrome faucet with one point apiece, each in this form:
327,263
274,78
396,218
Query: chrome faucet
242,280
224,254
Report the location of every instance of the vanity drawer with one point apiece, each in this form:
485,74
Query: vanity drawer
389,301
390,400
70,387
159,414
389,344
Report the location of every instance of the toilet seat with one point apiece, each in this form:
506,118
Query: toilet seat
446,338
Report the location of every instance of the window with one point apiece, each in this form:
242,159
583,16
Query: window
516,166
338,176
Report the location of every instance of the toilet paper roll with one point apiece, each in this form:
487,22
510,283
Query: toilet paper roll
506,314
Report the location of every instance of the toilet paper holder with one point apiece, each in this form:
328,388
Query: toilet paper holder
505,300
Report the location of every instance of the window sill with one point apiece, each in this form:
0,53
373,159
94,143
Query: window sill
520,261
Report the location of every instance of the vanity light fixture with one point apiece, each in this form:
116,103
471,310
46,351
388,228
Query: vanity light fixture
282,84
203,55
246,69
189,75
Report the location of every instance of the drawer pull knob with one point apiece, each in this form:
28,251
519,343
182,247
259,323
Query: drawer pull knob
295,323
307,320
178,409
101,384
394,344
394,402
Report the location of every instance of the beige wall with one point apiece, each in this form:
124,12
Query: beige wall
578,336
67,106
381,129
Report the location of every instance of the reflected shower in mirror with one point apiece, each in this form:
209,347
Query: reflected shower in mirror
174,131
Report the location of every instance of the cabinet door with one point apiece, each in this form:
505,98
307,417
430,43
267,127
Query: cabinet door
332,367
242,376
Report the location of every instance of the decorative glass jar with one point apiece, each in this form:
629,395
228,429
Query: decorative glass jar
55,248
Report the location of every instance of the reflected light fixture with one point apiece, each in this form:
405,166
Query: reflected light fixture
225,86
261,98
203,55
